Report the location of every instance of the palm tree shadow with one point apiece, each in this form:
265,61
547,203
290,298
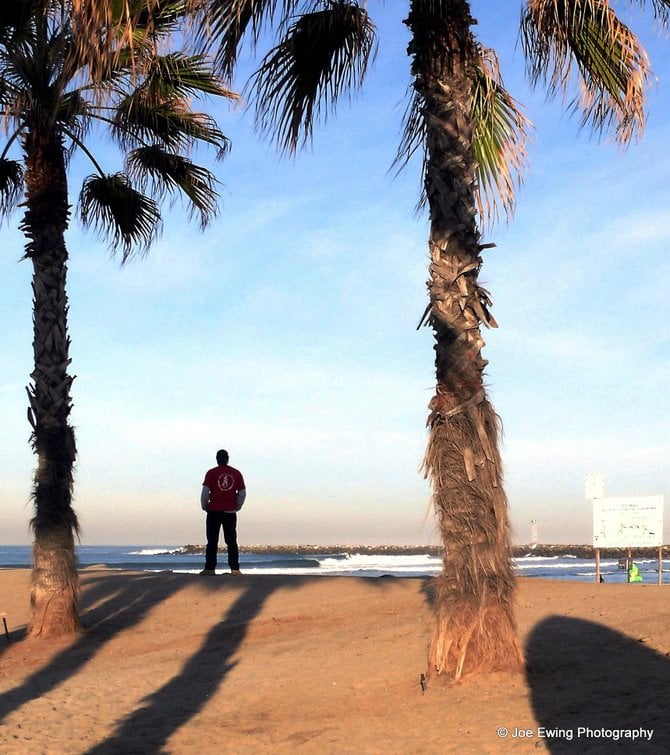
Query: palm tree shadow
109,604
587,680
112,603
179,700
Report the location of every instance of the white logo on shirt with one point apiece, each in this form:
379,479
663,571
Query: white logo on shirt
226,482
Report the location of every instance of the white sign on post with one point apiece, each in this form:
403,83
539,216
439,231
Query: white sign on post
628,522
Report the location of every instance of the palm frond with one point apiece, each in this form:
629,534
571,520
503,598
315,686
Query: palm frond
661,10
135,30
559,35
15,20
224,23
413,130
139,119
167,171
114,208
322,54
179,75
499,139
11,184
7,93
154,16
72,108
120,32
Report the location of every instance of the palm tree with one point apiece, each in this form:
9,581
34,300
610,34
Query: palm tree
55,85
472,134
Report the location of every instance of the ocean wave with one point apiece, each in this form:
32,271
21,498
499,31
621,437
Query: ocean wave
540,567
153,552
359,559
287,563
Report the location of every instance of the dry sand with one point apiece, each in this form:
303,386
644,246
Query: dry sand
188,664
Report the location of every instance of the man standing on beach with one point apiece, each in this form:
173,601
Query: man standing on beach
223,494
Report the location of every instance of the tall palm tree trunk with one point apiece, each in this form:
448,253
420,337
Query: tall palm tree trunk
54,578
474,614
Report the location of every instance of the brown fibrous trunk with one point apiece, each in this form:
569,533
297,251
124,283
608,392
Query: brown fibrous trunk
474,627
54,578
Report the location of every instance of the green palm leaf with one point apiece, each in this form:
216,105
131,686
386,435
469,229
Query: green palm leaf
150,16
113,207
559,35
499,139
322,54
180,75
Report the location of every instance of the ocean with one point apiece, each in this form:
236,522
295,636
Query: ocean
347,562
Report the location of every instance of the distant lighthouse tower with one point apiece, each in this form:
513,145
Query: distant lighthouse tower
533,534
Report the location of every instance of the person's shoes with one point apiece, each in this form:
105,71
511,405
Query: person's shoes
235,571
208,571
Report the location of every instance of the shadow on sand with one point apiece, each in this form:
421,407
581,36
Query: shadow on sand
171,706
108,605
114,602
589,684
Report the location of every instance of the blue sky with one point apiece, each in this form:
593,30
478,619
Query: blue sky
286,332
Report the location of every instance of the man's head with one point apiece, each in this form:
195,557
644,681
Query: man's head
222,457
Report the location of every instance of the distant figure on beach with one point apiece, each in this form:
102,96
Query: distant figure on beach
634,573
222,496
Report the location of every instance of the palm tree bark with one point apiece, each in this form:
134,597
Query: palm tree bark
54,578
474,618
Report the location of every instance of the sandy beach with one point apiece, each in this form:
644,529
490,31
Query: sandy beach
187,664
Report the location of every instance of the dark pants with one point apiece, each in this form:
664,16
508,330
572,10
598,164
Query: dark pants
227,520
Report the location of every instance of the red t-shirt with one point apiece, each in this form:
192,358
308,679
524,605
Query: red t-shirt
223,483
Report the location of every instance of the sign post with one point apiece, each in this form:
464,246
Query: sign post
594,487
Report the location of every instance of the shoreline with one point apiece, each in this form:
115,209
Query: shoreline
546,550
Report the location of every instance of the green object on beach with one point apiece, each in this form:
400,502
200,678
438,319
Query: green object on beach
634,574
